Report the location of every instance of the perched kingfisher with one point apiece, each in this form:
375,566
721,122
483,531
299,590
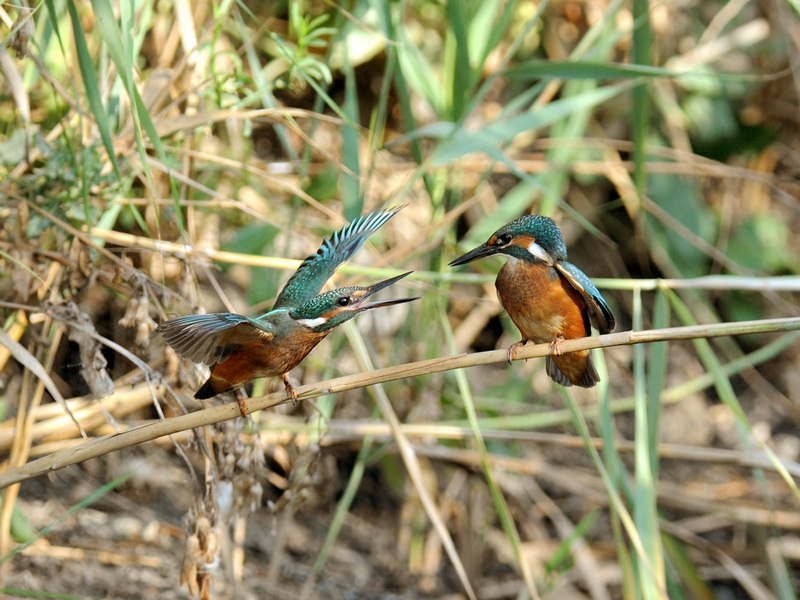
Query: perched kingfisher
239,349
548,298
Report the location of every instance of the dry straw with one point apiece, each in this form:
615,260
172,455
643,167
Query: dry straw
151,431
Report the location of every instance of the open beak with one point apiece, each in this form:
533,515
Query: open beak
474,254
375,287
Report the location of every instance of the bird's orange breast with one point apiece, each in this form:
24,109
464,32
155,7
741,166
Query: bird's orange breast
542,304
266,359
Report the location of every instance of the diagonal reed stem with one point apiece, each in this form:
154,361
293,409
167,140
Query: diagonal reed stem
145,433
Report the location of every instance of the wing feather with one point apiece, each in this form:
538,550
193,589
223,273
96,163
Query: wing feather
597,307
212,338
315,270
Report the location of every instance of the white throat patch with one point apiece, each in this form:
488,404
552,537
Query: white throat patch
312,323
540,253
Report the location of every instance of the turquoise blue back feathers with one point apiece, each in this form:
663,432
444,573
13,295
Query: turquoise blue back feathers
599,313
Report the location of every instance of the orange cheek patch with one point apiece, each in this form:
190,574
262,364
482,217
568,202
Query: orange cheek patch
524,241
332,313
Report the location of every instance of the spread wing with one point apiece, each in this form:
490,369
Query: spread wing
599,312
315,270
210,339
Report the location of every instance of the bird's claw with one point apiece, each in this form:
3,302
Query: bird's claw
290,389
555,345
241,400
512,349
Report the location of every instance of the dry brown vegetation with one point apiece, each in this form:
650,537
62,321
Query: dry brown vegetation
172,157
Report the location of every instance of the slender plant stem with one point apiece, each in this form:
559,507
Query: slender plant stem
145,433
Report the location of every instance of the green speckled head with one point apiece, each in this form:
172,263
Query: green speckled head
532,238
543,230
326,311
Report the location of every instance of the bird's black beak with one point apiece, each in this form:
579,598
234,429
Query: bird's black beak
474,254
375,287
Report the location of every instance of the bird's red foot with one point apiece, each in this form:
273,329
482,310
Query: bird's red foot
512,349
241,399
555,345
289,388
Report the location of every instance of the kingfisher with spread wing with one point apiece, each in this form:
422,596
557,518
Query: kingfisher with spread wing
239,349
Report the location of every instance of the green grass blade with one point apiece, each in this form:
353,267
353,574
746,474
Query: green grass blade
615,501
617,475
350,179
86,65
682,563
657,365
458,142
419,74
591,69
458,68
88,501
562,553
725,390
263,87
113,36
499,501
486,30
779,570
391,25
651,577
344,504
20,593
573,126
641,54
491,80
410,460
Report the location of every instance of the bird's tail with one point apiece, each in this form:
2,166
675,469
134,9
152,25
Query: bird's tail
212,387
574,368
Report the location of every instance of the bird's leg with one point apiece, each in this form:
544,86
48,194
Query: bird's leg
555,345
512,349
289,388
241,399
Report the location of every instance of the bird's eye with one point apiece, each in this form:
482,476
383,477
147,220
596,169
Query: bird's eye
343,301
504,239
